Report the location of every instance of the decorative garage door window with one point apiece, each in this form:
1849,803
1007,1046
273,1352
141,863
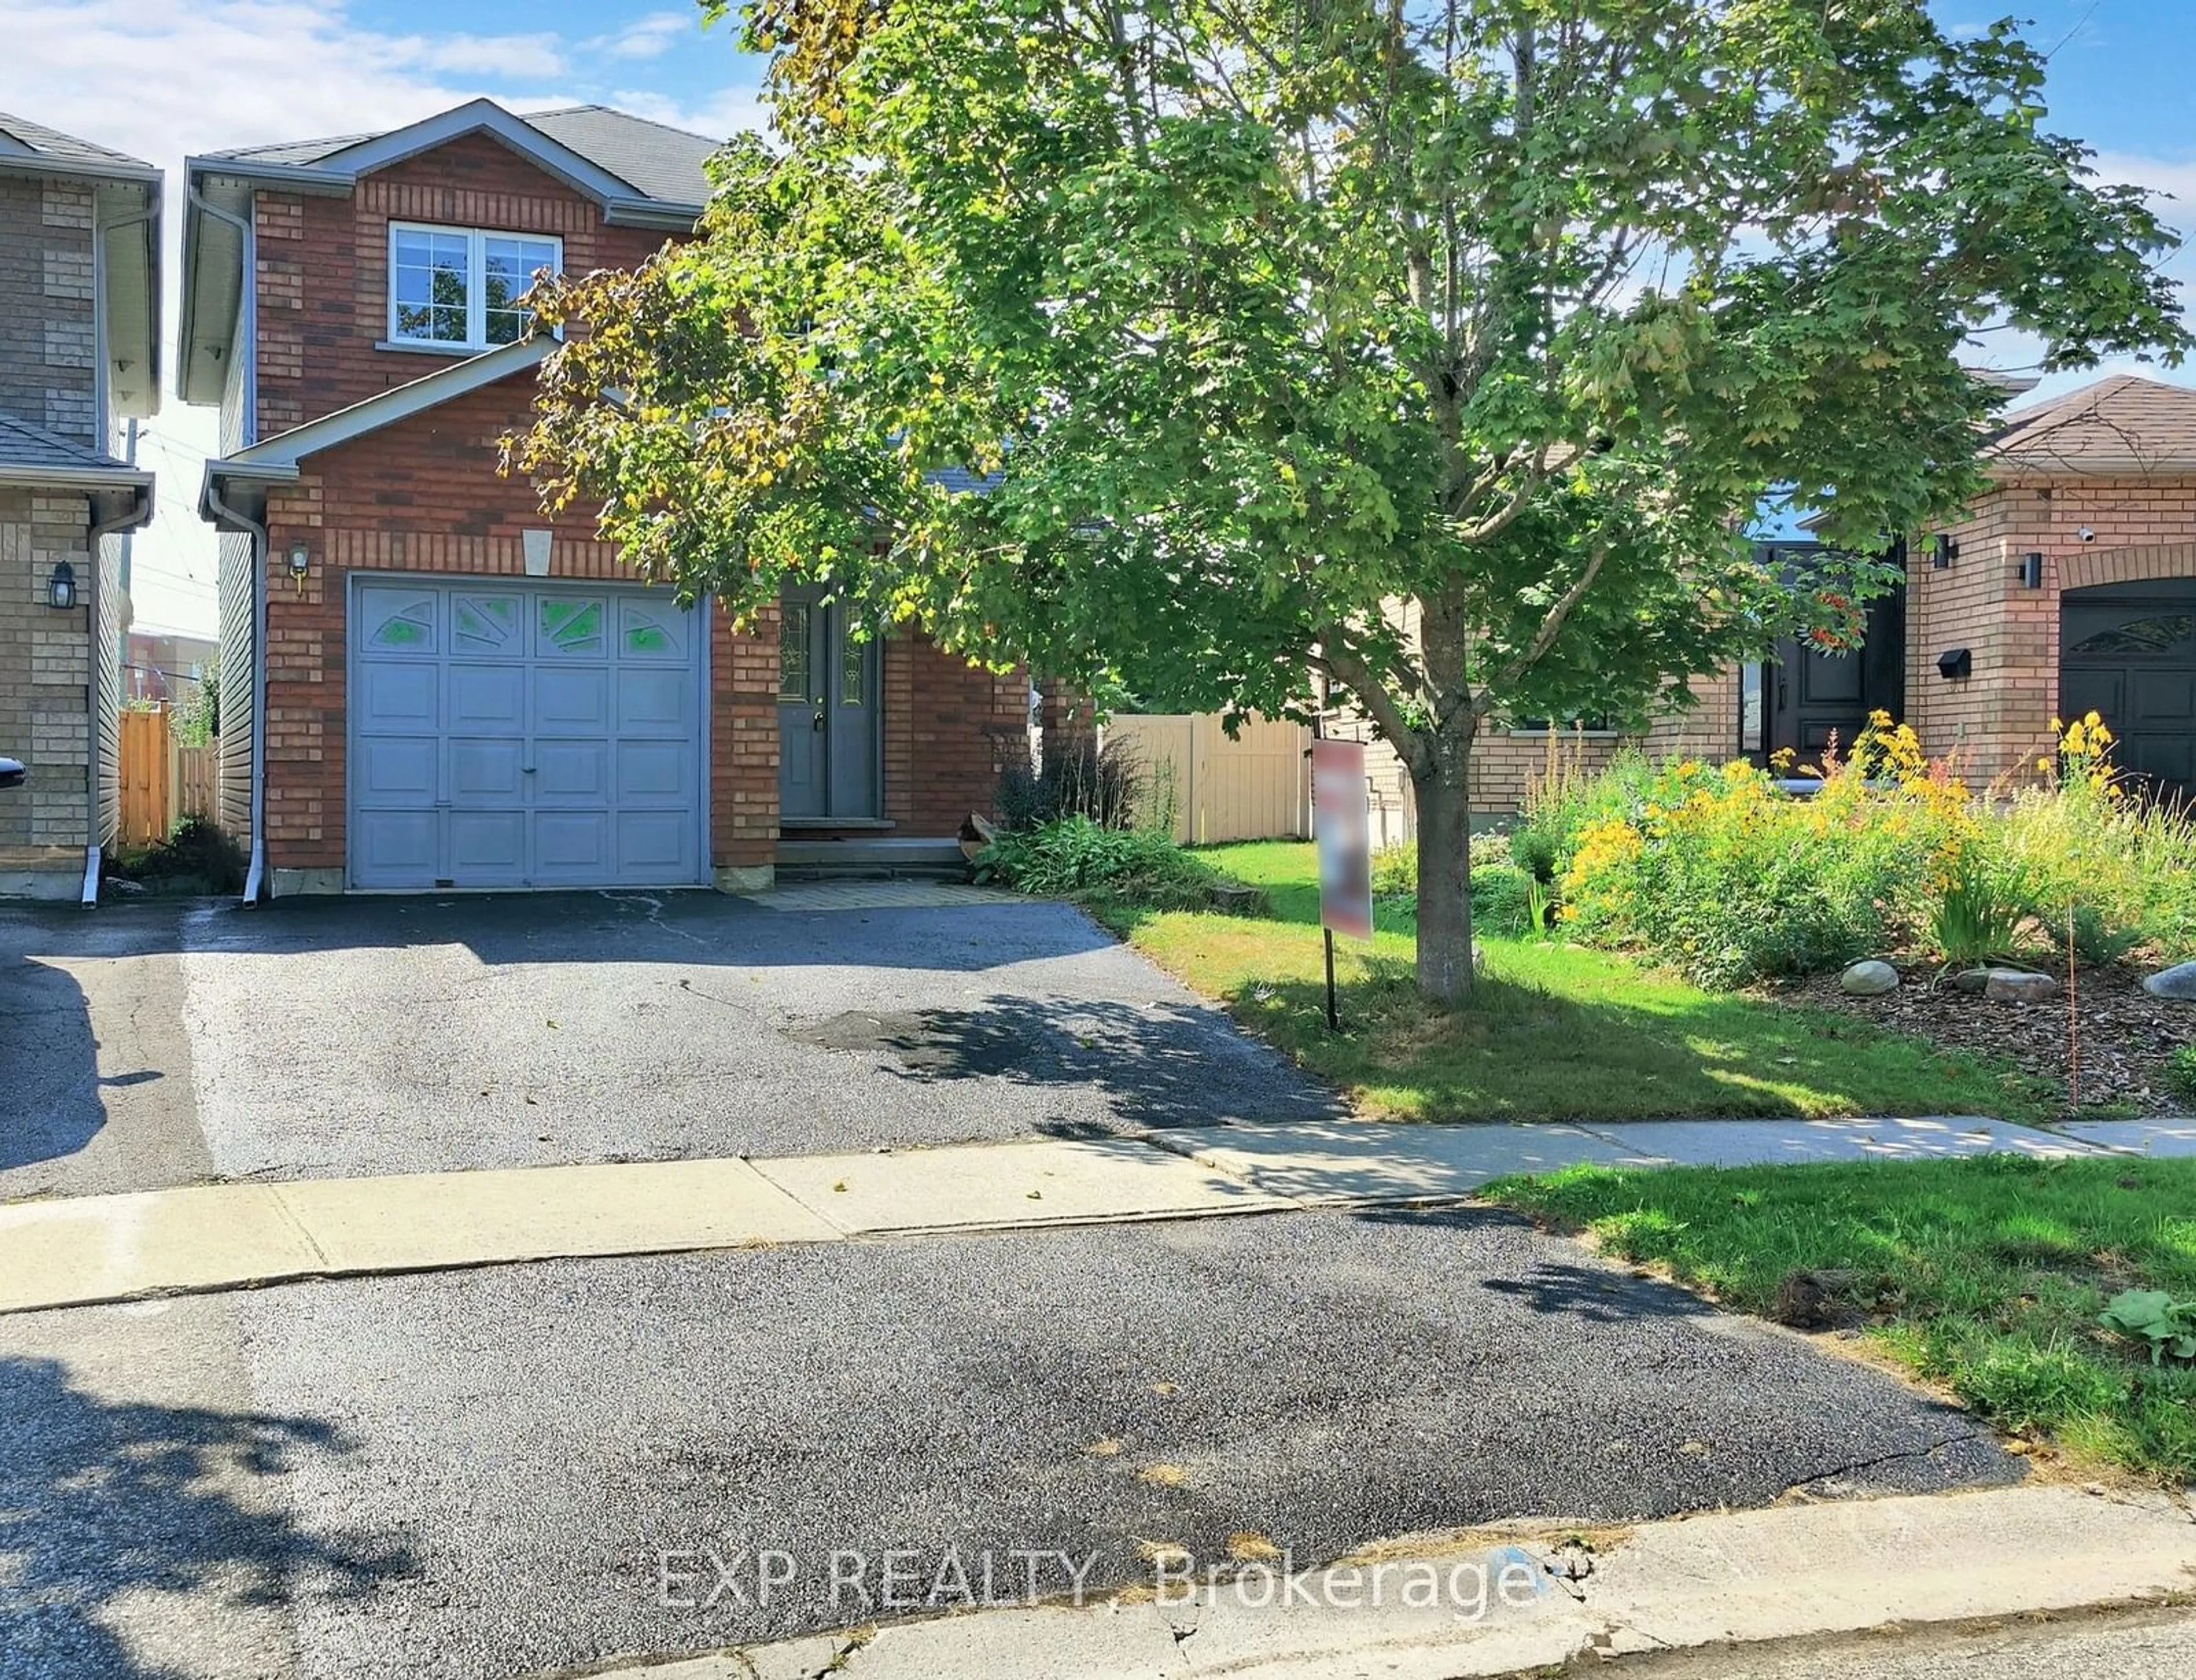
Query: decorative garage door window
400,620
572,628
2138,637
648,632
485,624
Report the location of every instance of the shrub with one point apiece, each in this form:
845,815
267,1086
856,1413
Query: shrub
1083,776
2095,940
1076,857
2117,864
197,857
1724,876
1395,871
1985,898
1502,900
2181,1070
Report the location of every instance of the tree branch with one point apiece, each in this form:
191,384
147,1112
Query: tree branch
1494,522
1552,624
1349,668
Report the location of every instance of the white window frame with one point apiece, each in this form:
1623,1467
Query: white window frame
475,239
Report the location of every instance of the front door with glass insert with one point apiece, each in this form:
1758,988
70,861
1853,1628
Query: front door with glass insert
827,715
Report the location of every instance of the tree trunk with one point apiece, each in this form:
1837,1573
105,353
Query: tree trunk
1444,802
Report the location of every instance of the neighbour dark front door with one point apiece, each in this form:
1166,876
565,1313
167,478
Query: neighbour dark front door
2128,653
1813,694
827,715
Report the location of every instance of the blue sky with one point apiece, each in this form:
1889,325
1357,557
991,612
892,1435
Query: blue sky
167,79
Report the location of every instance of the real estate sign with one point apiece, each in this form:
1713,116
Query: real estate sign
1342,826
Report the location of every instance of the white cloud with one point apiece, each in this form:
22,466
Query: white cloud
720,115
647,37
498,56
2171,183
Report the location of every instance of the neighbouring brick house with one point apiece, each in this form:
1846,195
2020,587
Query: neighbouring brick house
2069,587
428,682
79,336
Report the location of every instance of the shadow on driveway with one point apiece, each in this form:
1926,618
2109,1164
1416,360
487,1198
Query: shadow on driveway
111,1513
345,1036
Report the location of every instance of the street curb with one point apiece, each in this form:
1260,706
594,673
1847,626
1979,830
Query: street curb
1790,1572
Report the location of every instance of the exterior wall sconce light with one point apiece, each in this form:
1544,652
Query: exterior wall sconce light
60,588
1956,663
2032,571
1942,550
300,562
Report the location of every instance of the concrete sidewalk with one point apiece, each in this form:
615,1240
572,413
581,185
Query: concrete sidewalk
1531,1599
91,1249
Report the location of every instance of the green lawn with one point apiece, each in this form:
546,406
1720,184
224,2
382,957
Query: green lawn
1986,1275
1551,1032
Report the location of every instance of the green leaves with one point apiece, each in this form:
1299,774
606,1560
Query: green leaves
2153,1317
1439,352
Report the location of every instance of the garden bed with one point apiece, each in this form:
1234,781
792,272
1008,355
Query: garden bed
2126,1036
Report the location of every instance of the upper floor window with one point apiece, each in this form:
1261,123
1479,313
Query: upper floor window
460,287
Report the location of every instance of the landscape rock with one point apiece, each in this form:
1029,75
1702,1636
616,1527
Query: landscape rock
1970,980
2177,983
2013,985
1868,980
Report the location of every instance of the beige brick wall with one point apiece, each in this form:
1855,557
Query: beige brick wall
45,671
46,339
1998,721
1507,763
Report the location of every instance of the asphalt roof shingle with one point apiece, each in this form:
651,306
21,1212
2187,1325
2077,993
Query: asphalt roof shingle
24,445
2120,423
45,142
656,160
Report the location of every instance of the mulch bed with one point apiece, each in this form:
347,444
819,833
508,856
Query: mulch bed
2126,1034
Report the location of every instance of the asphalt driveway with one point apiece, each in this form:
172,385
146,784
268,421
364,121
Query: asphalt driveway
337,1037
478,1476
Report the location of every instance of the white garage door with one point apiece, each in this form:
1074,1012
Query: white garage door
506,735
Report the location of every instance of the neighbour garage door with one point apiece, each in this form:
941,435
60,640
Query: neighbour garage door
2128,652
523,736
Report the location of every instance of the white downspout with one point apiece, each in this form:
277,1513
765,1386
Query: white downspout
256,873
247,336
141,511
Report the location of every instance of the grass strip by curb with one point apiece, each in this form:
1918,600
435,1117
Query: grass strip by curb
1985,1275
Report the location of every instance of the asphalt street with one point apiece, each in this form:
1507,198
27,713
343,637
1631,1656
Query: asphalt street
154,1046
480,1475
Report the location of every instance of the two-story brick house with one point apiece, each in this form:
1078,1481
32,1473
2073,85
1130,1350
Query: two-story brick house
79,355
426,682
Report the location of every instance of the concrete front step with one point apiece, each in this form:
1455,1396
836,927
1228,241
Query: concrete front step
870,857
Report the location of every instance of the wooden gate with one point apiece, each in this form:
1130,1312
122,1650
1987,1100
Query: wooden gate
147,777
195,780
1256,786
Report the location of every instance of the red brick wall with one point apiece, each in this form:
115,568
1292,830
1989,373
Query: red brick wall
949,730
423,495
1998,721
323,267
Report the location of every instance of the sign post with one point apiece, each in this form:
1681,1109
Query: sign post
1343,826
